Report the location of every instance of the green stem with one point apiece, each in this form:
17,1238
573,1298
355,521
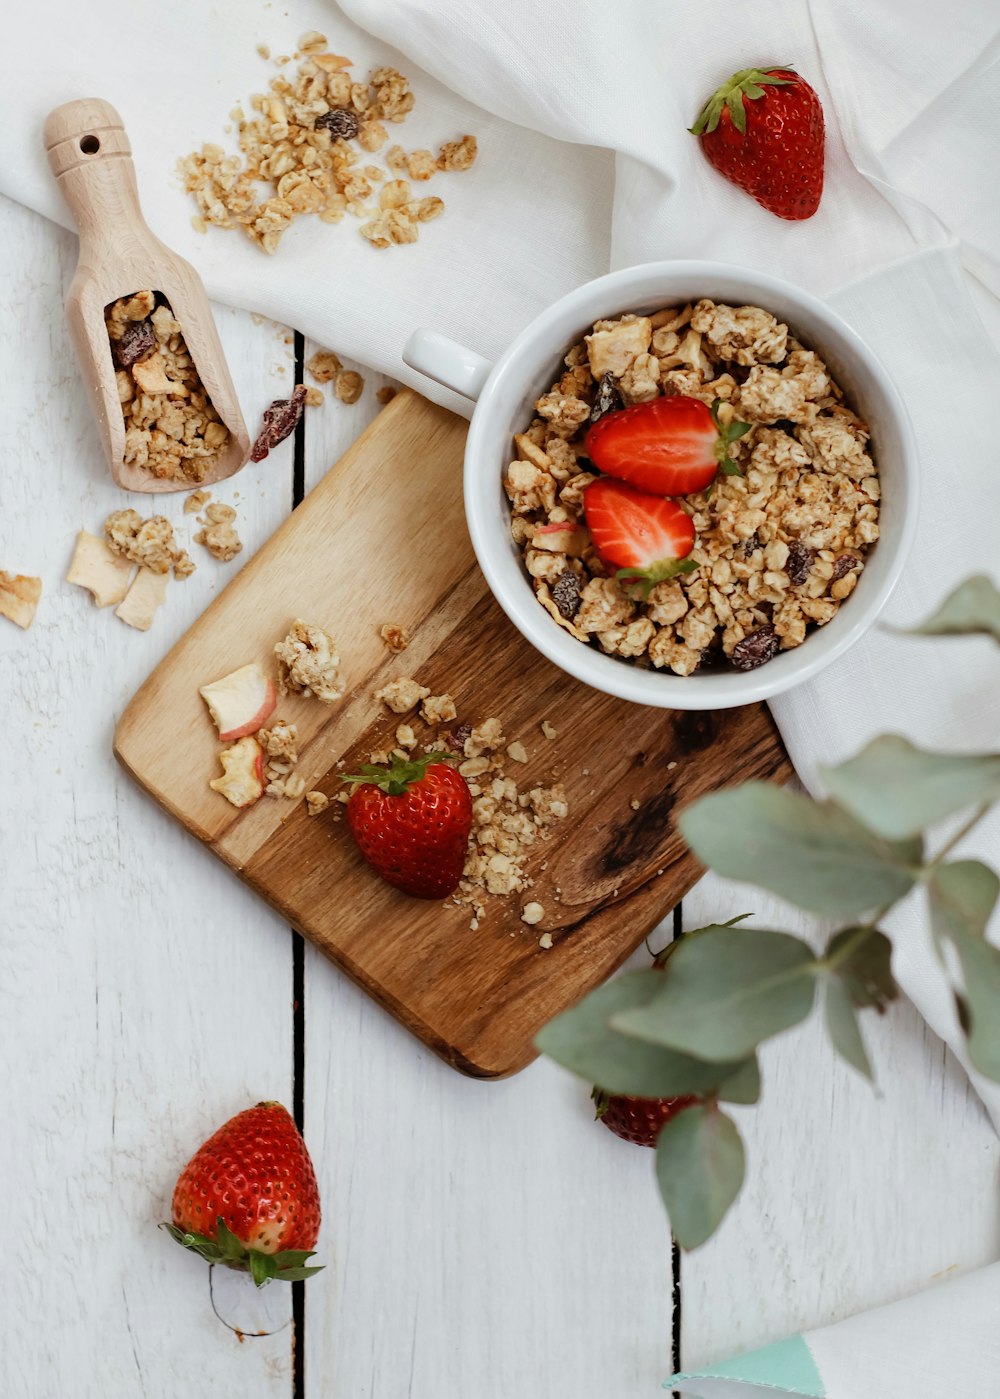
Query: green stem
860,933
959,836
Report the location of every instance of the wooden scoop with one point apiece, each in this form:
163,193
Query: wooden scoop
90,156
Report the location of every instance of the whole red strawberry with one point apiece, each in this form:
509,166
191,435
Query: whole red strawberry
636,1120
248,1197
411,821
763,129
671,446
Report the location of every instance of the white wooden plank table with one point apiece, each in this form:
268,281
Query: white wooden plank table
481,1239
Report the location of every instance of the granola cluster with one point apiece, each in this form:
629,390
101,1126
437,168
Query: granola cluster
279,746
148,543
779,547
171,428
507,818
310,140
308,663
218,532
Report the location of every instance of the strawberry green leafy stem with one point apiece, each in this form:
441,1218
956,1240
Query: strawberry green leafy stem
400,774
227,1250
693,1026
727,436
748,82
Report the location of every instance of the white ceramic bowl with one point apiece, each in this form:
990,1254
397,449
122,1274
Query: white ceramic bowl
506,393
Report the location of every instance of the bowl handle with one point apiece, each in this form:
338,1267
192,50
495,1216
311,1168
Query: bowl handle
447,362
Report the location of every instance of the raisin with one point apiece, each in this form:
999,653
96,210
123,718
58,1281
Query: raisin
756,649
800,562
749,546
842,565
609,398
458,735
280,418
566,595
339,121
138,340
711,658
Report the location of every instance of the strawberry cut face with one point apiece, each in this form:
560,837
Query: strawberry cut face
646,537
671,446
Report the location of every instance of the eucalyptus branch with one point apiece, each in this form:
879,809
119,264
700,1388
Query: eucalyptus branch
692,1027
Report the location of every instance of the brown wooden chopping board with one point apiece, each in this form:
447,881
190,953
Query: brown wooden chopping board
382,538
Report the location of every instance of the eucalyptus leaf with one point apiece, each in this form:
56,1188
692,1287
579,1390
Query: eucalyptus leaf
812,853
980,962
961,896
743,1086
583,1041
897,789
973,609
844,1030
725,992
861,960
699,1168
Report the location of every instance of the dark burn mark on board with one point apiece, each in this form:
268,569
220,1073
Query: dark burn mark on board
639,839
694,730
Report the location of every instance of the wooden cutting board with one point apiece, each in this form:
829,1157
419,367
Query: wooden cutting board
382,538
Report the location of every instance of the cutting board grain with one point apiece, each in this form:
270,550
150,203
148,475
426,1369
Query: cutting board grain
382,538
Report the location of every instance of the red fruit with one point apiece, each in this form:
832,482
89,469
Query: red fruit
763,129
671,446
411,822
248,1197
646,536
636,1120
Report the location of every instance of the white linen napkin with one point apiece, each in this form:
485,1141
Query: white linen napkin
581,114
943,1341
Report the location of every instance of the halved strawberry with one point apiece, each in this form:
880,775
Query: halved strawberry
671,446
646,536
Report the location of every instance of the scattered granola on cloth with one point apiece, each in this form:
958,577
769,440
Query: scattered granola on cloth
309,141
778,548
171,428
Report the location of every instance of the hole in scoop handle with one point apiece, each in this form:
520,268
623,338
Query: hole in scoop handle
447,362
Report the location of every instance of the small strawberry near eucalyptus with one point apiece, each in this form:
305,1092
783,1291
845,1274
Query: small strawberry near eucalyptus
763,130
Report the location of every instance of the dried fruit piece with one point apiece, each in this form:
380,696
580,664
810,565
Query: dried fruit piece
756,649
341,122
750,546
843,564
279,421
19,594
137,340
609,397
800,561
566,594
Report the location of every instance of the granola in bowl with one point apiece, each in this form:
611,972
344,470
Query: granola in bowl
781,531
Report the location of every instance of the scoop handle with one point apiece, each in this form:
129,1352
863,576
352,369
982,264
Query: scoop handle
90,156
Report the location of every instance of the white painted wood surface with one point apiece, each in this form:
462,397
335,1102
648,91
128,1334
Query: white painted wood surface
482,1240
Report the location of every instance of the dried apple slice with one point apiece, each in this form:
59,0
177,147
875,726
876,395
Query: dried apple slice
239,703
242,780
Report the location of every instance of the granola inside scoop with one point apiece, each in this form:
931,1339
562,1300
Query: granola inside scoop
778,547
171,428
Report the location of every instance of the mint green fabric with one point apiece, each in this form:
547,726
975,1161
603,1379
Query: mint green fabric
786,1365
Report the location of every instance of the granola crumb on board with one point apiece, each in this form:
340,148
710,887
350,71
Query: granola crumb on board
308,663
